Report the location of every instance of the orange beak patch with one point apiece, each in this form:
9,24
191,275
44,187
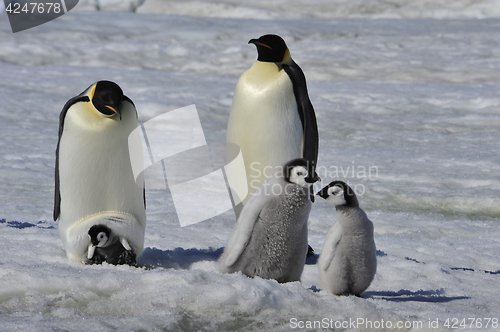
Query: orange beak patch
111,108
261,44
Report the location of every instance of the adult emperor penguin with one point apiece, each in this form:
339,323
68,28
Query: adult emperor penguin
94,182
270,236
348,261
272,119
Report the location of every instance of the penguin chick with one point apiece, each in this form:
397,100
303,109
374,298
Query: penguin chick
348,262
106,247
270,236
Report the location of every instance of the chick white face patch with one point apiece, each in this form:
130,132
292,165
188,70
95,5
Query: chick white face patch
336,196
298,176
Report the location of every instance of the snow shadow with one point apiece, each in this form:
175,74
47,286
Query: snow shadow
312,260
468,269
23,225
404,295
179,258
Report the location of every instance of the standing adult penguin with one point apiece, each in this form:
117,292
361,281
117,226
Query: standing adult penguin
272,119
94,182
348,261
270,236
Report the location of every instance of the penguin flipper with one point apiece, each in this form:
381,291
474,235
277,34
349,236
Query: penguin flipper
125,244
57,195
244,226
90,251
329,249
306,113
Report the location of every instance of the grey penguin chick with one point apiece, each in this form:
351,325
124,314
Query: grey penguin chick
270,236
107,247
348,262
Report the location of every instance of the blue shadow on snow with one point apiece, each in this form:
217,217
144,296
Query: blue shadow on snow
311,260
23,225
405,295
179,258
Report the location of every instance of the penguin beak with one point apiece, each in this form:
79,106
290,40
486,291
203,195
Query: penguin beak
257,42
313,179
116,110
323,194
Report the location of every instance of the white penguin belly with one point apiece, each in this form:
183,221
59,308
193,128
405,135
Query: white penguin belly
264,122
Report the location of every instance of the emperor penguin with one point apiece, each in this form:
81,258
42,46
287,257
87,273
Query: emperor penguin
270,236
272,119
94,182
348,261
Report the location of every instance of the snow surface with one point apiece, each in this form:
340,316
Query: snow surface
415,101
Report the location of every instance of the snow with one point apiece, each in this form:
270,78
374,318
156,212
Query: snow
265,10
407,99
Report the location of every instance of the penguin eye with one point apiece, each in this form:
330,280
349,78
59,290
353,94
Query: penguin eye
336,191
301,172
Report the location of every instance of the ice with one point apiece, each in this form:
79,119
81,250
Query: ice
408,91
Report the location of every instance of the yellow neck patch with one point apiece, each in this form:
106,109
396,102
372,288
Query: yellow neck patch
92,92
287,57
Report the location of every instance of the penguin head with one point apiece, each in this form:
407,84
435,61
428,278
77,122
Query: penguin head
338,193
298,171
107,98
99,235
271,48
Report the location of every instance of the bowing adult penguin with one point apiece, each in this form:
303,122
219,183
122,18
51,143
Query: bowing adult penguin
94,182
272,119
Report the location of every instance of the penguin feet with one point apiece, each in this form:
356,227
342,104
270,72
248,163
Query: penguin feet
127,257
113,255
95,259
310,251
